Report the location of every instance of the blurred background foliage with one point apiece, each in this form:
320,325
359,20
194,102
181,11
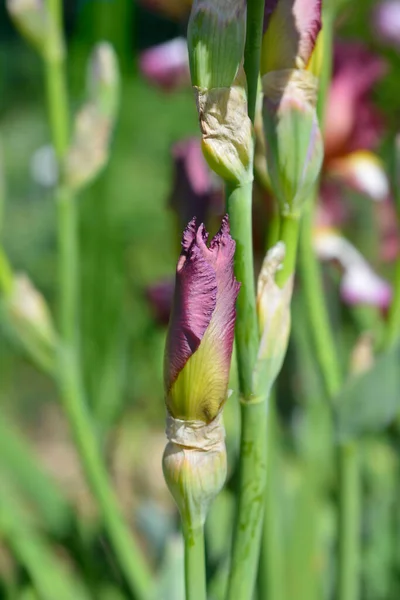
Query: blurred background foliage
130,239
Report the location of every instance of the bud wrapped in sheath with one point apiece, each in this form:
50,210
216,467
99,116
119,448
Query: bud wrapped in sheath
201,330
273,308
94,123
194,465
29,320
294,142
216,37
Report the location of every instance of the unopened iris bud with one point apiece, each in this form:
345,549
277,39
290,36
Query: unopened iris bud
104,79
273,309
94,123
201,330
291,30
216,37
294,141
37,26
29,319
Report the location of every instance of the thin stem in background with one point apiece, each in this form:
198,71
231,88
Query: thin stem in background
129,557
393,322
195,570
348,473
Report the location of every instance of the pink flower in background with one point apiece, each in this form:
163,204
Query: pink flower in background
386,22
166,65
359,283
353,126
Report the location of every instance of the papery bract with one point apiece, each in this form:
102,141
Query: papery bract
201,330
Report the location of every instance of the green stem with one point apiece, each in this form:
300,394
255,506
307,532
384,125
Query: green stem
349,523
326,350
68,266
129,557
248,526
6,276
239,201
327,355
252,465
195,569
252,52
289,234
393,322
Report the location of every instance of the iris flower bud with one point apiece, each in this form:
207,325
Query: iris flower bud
94,122
197,363
29,320
273,309
201,330
216,37
294,141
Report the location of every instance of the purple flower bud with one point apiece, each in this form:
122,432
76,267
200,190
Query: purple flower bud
291,30
201,330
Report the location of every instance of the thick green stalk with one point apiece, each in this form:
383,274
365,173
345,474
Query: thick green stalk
252,53
252,466
195,569
128,555
239,201
289,234
249,520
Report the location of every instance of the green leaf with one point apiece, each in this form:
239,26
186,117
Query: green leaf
369,402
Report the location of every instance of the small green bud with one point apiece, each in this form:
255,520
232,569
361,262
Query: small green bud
294,141
273,309
29,319
94,123
216,37
103,79
37,27
227,138
194,465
